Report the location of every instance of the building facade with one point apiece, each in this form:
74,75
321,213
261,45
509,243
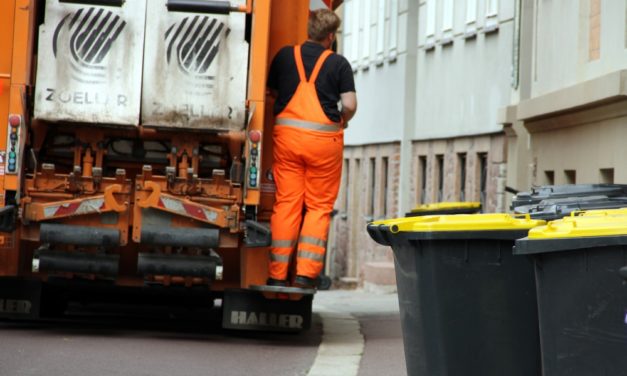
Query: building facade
430,77
470,100
568,119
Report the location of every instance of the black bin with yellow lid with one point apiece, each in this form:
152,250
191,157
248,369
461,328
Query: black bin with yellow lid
582,298
468,306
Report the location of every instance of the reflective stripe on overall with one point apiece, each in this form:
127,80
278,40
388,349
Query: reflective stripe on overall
307,170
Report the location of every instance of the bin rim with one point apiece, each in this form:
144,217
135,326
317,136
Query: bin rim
528,246
461,223
602,212
447,205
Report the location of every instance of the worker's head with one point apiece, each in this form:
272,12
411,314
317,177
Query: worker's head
322,26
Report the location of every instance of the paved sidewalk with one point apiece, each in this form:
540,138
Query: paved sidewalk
379,322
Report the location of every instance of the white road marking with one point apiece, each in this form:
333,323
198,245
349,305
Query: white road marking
342,345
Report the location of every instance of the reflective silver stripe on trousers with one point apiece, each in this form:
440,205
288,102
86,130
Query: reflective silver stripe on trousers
283,243
309,125
313,241
279,258
311,255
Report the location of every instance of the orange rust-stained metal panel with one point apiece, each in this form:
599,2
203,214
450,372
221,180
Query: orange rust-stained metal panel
254,263
257,79
288,24
23,39
259,50
7,8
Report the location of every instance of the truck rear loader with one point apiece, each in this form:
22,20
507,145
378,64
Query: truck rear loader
136,155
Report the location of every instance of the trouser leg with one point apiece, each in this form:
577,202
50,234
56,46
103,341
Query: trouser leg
286,217
322,182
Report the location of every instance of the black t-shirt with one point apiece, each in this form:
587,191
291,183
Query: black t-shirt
335,77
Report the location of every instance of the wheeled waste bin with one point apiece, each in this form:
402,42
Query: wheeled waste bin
582,300
441,208
468,306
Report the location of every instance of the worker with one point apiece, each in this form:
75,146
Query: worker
308,81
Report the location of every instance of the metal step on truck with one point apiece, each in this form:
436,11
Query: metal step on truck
135,156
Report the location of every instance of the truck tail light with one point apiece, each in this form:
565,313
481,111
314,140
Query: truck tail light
15,121
254,153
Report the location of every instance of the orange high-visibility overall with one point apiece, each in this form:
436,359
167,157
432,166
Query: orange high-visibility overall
307,170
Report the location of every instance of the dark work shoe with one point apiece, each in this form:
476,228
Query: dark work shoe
276,282
304,282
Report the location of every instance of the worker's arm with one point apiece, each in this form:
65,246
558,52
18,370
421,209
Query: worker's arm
349,106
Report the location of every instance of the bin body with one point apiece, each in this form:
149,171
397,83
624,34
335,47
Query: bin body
582,300
582,306
468,306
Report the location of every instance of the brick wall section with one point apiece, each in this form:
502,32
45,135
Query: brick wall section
493,146
350,246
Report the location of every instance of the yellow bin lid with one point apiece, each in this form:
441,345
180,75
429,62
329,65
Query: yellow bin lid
602,212
461,222
590,224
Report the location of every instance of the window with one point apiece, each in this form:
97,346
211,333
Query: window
356,178
384,185
348,37
422,179
447,22
393,31
439,160
372,187
483,178
353,11
549,177
570,176
346,185
365,50
625,23
607,175
461,168
430,25
594,47
471,18
491,16
380,31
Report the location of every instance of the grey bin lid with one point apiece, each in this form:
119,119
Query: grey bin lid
550,209
538,194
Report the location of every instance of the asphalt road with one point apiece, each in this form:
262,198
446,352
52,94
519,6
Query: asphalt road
150,342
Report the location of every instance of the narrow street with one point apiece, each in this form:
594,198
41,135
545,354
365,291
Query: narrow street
152,341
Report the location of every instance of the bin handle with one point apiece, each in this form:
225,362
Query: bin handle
623,272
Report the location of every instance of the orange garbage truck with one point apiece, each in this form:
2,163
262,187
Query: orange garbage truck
135,155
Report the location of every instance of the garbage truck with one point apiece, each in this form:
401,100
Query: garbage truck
136,155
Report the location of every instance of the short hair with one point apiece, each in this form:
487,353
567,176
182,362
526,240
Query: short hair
321,23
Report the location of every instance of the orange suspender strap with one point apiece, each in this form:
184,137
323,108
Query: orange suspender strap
299,64
318,66
301,67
